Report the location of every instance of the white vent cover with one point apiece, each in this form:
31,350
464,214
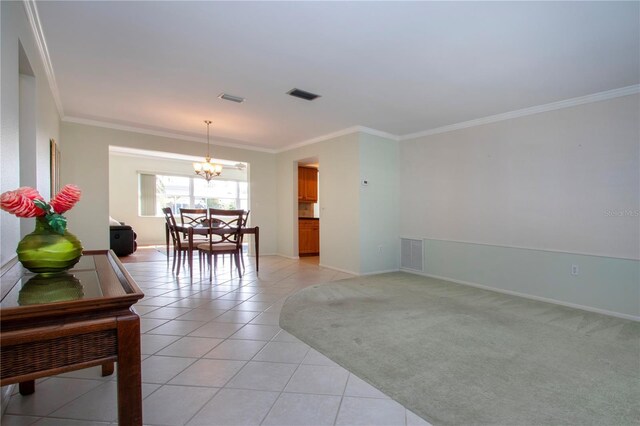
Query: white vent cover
411,254
228,97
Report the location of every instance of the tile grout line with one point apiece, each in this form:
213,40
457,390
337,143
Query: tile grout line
346,383
279,394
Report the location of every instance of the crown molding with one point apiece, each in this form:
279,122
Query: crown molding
374,132
343,132
595,97
170,135
41,43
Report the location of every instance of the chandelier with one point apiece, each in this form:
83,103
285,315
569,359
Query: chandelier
207,169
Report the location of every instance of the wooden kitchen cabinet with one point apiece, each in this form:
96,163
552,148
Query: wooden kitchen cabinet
308,184
308,237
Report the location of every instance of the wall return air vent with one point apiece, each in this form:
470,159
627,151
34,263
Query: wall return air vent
307,96
411,254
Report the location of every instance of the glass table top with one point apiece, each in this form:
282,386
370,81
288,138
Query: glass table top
80,282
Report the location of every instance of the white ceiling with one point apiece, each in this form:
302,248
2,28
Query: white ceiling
397,67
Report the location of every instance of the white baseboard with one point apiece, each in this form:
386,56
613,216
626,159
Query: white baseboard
282,255
529,296
338,269
358,274
379,272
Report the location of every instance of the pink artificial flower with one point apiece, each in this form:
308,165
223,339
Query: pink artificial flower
68,196
19,204
29,192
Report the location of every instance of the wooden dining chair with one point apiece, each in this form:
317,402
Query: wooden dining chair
245,219
226,242
214,222
180,246
194,217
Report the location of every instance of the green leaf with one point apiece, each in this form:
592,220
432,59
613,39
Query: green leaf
42,205
57,222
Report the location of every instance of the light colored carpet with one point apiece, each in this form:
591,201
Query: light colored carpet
459,355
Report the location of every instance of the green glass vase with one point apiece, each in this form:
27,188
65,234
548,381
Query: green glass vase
44,251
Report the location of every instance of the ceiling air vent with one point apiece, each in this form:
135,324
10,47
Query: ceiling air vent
231,98
307,96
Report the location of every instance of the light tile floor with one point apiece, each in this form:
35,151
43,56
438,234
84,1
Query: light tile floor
213,354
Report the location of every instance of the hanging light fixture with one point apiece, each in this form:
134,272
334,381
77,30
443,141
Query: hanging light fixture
207,169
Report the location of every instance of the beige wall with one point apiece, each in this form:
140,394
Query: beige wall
358,224
339,201
273,192
33,168
86,159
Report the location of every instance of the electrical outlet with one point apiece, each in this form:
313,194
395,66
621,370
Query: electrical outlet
380,249
575,270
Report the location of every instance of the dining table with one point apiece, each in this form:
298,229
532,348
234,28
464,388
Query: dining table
204,229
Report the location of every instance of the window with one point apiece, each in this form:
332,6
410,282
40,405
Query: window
159,191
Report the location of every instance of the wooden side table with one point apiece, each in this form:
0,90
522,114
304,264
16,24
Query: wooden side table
51,325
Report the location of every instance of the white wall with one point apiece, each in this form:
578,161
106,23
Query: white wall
86,163
14,30
124,193
379,204
551,181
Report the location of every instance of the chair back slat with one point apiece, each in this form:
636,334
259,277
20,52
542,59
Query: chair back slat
227,219
171,225
193,216
168,216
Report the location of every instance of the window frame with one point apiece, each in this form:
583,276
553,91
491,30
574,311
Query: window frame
192,196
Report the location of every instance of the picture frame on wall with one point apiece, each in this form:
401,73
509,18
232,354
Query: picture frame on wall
55,166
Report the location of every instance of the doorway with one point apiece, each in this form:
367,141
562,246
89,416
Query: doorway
308,208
